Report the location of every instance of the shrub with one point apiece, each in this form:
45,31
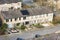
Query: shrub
3,28
23,27
56,22
18,24
38,25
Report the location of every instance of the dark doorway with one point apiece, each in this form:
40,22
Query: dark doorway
0,22
26,22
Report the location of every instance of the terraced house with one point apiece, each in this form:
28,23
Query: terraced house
7,4
27,16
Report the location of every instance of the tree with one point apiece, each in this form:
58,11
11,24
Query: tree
3,28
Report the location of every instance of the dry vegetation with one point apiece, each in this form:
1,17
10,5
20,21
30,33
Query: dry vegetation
26,6
56,20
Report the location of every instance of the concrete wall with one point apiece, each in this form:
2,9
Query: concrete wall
5,7
33,19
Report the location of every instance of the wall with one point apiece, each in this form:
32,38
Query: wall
33,19
5,7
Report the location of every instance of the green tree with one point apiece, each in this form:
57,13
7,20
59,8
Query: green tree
3,28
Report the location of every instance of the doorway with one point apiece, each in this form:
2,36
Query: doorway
27,22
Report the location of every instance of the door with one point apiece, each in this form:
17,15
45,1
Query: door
27,22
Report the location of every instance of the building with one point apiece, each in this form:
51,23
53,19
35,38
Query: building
27,16
7,4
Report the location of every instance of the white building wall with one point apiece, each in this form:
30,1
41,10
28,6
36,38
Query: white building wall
50,17
5,7
33,19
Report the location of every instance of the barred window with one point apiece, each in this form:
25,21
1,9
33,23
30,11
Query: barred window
7,20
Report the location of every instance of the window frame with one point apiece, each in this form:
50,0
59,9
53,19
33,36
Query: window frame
24,18
7,20
15,19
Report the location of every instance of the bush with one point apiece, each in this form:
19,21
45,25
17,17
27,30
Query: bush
23,27
18,24
3,28
38,25
56,22
56,19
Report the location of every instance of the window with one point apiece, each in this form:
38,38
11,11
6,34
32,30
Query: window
19,18
11,20
11,7
27,22
15,19
7,20
24,18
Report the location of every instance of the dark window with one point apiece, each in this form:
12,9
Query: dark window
37,35
19,18
24,12
24,18
7,20
26,22
11,7
11,20
15,19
